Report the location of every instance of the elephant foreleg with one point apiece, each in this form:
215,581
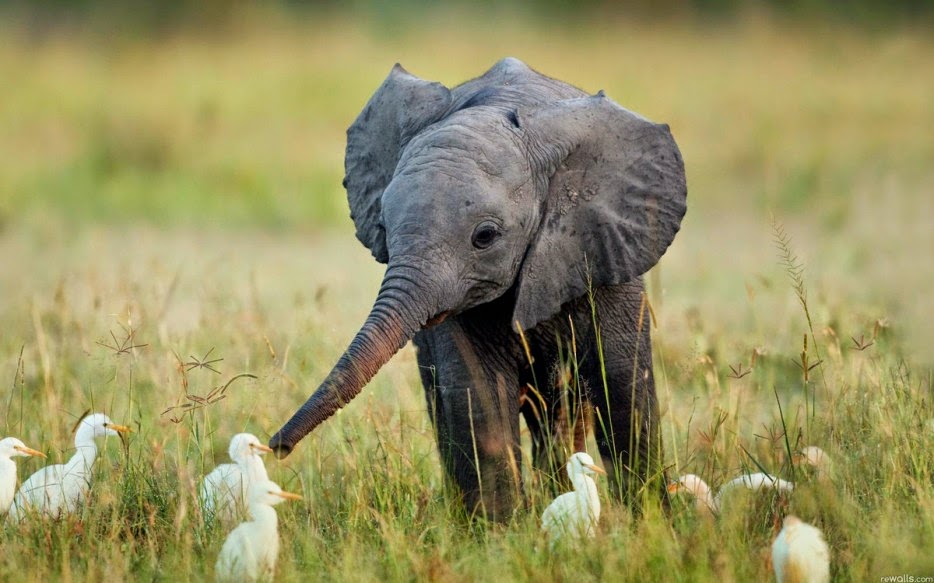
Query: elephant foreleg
476,415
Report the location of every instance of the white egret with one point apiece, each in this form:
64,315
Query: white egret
59,489
693,485
800,553
10,447
704,499
224,491
575,514
251,549
755,482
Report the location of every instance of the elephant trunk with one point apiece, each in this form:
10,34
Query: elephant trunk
400,310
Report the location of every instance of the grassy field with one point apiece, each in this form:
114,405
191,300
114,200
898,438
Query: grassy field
187,189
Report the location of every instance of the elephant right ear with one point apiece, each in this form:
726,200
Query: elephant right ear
401,107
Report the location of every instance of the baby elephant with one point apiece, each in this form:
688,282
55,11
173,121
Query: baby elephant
516,215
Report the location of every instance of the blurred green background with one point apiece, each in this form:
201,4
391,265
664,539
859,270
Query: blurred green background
220,113
193,117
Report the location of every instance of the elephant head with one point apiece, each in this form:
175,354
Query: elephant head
510,183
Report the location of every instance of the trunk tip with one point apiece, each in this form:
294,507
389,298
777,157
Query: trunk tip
280,448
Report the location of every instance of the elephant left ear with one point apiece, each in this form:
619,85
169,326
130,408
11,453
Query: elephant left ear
402,106
615,194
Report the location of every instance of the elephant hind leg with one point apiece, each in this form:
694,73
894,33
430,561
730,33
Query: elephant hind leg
627,428
559,421
582,426
627,424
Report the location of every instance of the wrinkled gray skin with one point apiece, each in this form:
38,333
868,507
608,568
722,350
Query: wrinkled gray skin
496,206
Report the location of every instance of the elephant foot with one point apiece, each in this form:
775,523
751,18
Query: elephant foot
495,492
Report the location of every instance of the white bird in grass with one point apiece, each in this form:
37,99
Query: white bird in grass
703,498
693,485
800,554
10,447
755,482
575,514
59,489
251,550
224,492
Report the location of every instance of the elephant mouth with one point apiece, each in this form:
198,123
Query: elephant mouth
435,320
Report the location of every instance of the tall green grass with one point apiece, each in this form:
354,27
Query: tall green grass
375,503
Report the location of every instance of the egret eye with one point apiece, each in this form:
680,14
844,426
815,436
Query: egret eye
484,235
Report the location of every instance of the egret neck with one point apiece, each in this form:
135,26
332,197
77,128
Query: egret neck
266,523
586,490
85,452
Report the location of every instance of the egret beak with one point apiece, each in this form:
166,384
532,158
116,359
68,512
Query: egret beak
261,447
674,488
287,495
117,428
597,469
28,451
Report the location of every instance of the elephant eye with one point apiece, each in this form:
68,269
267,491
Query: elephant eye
484,235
